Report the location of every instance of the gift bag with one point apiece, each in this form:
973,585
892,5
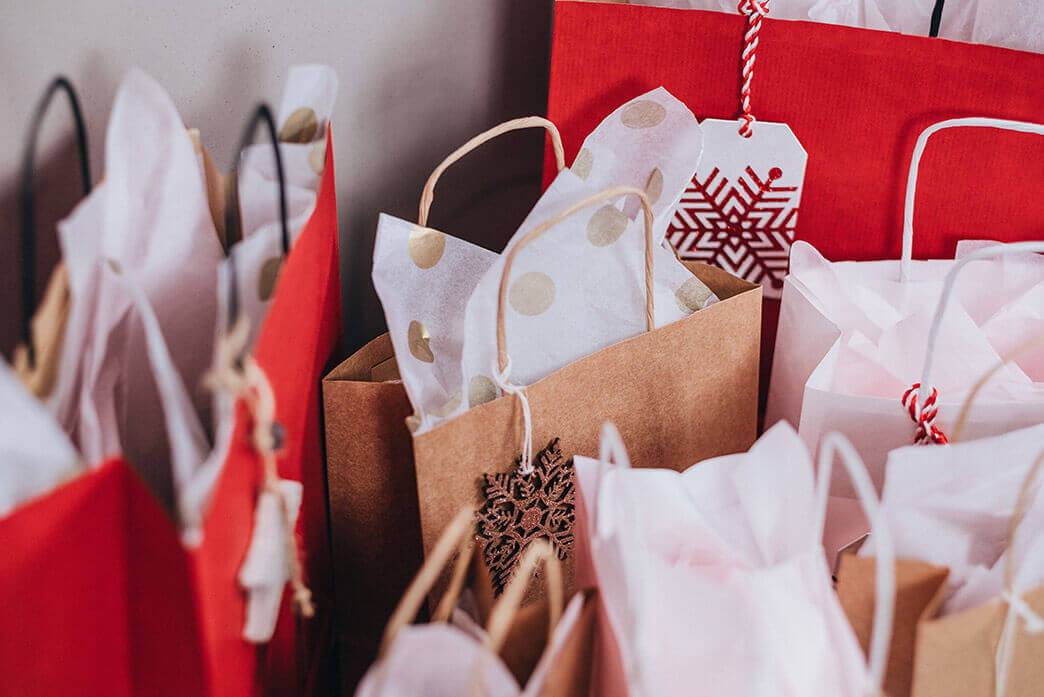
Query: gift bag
511,455
373,499
294,343
69,533
816,78
887,351
372,477
713,581
536,650
373,489
970,580
163,610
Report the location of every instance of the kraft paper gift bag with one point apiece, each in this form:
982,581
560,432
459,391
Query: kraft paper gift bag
534,651
511,456
373,498
373,491
713,581
967,520
426,274
887,351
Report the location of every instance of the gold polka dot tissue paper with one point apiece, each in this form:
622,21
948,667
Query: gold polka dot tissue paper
580,287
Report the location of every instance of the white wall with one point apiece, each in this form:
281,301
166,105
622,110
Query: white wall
418,77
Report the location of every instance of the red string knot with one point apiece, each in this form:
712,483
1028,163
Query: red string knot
924,417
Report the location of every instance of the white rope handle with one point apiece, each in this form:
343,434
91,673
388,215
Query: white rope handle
611,453
884,603
944,300
915,162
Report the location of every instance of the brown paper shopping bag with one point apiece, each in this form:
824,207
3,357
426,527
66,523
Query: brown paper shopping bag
374,524
679,394
993,650
370,476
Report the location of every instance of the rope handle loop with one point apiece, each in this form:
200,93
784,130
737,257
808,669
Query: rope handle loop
920,400
833,445
262,116
27,197
915,163
428,194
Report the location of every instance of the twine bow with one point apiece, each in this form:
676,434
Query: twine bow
924,417
242,378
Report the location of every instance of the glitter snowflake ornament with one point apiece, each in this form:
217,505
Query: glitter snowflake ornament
520,507
740,211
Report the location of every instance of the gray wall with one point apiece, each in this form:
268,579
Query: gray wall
417,77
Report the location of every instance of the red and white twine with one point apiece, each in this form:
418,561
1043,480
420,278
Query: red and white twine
755,10
927,431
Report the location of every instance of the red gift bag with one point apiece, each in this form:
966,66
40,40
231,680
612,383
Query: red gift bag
297,339
855,98
98,593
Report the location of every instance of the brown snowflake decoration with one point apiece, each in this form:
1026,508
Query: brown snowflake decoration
520,508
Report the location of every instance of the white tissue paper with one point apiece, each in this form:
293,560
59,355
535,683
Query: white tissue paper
952,506
853,337
714,579
147,221
577,289
143,243
35,455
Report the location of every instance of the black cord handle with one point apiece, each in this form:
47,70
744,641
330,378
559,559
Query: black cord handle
262,115
27,197
937,11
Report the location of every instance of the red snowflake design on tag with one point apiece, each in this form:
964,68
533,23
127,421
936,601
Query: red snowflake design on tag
745,227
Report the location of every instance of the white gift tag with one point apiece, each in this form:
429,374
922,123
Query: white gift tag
266,569
740,211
